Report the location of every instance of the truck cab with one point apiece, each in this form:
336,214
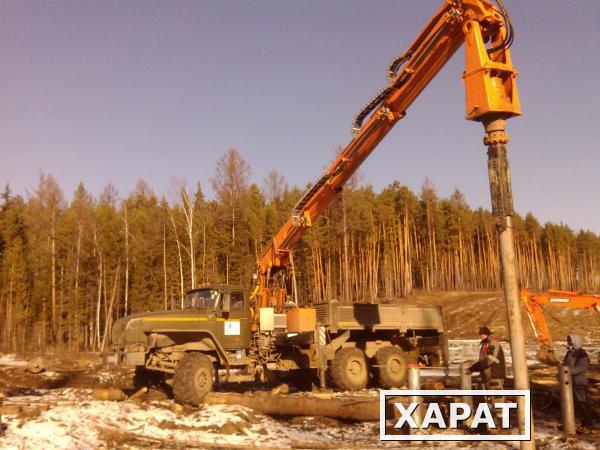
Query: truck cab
214,319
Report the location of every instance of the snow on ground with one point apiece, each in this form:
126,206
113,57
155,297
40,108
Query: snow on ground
11,360
105,424
104,376
51,375
84,426
68,419
468,350
553,439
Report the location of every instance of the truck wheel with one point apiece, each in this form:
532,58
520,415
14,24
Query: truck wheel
349,369
147,378
193,379
391,366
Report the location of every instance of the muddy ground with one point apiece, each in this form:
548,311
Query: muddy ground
54,408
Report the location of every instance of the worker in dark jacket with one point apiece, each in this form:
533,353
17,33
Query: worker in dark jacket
578,361
491,364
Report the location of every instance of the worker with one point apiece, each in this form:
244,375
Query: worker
491,368
578,361
491,365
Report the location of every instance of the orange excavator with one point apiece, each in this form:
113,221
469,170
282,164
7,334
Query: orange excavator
491,98
533,303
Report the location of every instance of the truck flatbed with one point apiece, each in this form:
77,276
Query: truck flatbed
379,316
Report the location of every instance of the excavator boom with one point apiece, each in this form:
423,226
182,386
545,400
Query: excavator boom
491,94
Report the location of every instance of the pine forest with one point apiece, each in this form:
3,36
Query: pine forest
68,269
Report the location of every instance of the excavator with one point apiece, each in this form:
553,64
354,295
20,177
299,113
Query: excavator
491,98
534,302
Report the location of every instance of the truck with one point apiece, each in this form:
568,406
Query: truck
351,344
247,334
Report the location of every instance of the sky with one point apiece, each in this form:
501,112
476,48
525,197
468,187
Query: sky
115,91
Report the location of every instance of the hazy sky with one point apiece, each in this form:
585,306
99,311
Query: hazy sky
114,91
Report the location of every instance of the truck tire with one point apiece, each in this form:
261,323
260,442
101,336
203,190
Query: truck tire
349,369
147,378
193,379
391,366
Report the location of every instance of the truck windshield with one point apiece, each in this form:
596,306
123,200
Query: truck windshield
201,299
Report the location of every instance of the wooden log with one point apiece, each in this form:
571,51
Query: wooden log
138,394
282,405
9,410
112,394
35,366
281,389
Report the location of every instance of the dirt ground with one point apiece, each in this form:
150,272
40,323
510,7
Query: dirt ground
466,312
55,408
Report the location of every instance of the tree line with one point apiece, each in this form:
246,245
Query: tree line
68,269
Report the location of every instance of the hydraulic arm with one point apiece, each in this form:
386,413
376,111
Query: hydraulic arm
533,303
491,98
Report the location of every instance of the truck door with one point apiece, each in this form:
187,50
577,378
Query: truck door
236,324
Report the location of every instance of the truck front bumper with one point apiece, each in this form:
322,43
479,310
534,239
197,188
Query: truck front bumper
132,355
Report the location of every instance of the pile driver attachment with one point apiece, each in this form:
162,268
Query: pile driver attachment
491,98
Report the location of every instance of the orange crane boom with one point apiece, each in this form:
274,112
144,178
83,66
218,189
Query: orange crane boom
491,95
533,303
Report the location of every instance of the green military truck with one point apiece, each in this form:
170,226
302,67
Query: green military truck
215,335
